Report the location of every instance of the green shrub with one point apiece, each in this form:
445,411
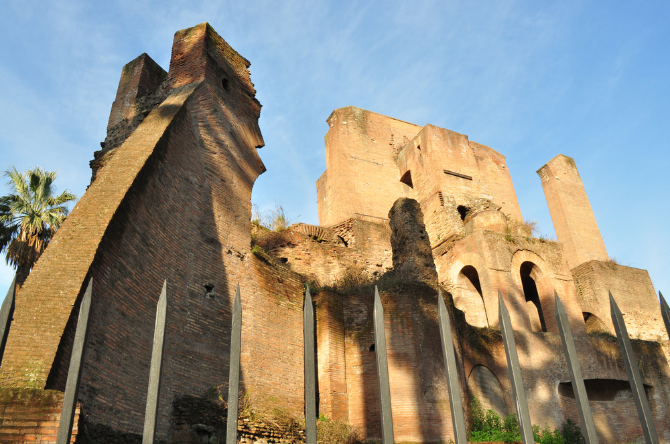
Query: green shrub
488,426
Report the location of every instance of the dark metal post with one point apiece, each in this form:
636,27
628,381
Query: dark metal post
665,312
234,371
585,416
525,426
634,377
6,314
382,370
151,413
74,372
310,371
455,401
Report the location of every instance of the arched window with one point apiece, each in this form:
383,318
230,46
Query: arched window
532,297
469,297
485,386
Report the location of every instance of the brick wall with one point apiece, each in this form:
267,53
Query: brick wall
142,88
362,248
332,385
497,257
544,371
32,415
419,398
367,155
361,175
412,255
444,161
173,202
633,291
571,212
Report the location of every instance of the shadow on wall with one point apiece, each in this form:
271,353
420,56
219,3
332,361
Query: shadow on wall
419,395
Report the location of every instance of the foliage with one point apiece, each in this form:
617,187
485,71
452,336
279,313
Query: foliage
571,432
602,335
488,426
355,280
330,431
613,262
531,225
30,215
273,219
278,220
256,215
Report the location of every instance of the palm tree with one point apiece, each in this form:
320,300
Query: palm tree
29,217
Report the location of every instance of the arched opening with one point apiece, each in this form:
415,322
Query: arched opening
484,384
469,298
593,323
532,297
407,179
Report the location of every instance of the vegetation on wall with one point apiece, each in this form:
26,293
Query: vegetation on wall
274,219
489,426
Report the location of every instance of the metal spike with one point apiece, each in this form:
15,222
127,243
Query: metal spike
74,372
634,377
310,370
665,312
234,369
585,416
151,413
6,314
455,401
525,426
382,370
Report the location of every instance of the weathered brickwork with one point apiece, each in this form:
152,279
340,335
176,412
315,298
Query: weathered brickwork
173,202
361,249
419,398
547,380
332,376
439,160
634,293
361,177
141,89
403,207
32,415
571,212
412,255
481,246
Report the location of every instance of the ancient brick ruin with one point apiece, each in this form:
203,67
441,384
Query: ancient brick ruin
405,207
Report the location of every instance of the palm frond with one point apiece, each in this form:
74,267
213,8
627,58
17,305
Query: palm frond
30,215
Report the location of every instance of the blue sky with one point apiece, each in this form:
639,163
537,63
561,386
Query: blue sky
587,79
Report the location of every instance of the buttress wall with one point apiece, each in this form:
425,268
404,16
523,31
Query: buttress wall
172,202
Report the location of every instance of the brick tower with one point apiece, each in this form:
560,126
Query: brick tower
170,199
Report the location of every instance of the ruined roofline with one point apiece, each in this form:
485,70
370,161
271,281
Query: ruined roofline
191,45
475,147
479,145
569,159
371,112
